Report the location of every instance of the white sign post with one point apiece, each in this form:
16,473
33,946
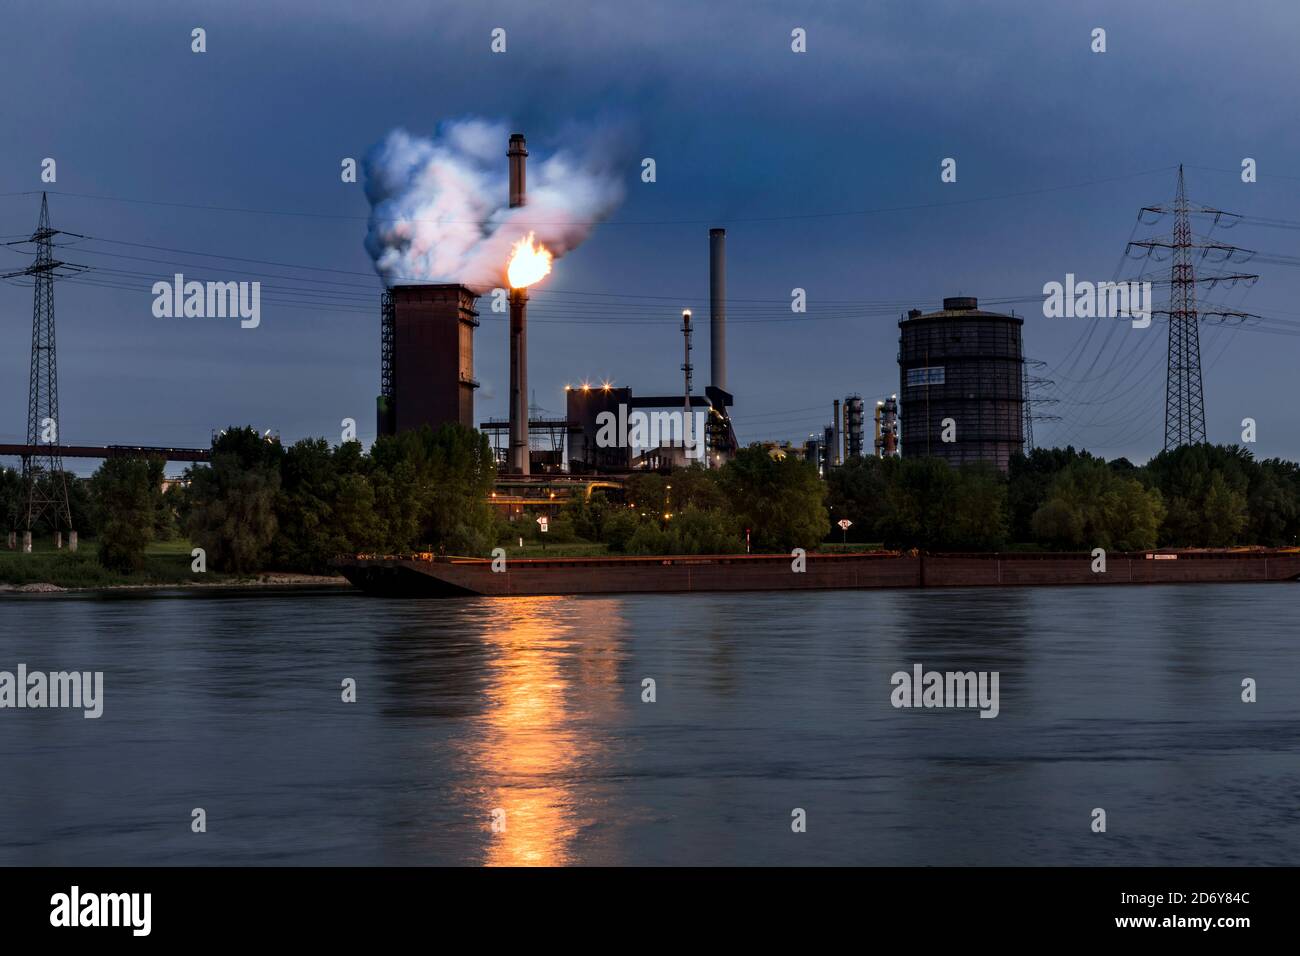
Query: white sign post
845,524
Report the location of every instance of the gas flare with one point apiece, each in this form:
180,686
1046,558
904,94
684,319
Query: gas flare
530,261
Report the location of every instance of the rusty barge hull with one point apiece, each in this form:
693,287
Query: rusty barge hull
427,576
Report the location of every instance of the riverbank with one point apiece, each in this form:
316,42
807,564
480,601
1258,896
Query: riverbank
168,565
294,582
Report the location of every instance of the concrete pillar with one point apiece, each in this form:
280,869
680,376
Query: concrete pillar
27,542
58,541
72,541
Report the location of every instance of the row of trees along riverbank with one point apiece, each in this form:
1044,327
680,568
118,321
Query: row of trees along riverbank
258,506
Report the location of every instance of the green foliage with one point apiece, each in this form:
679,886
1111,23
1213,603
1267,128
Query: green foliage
12,500
856,491
1091,505
781,500
588,515
128,495
232,501
430,490
1028,479
325,507
1206,489
1274,503
932,505
619,528
697,530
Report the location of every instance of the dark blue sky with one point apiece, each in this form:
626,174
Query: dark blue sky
776,147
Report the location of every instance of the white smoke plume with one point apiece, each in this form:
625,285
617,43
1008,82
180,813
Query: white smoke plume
440,208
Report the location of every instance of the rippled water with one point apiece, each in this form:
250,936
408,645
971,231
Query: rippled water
1124,699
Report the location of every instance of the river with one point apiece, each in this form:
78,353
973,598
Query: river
514,731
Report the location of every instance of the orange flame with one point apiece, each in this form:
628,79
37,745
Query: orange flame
529,263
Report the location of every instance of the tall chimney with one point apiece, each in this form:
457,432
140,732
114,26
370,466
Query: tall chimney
834,457
718,308
518,154
518,463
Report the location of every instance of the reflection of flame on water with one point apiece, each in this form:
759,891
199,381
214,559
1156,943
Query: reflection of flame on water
533,735
530,262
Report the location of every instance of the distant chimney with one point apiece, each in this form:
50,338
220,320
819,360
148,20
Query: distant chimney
834,457
518,153
518,458
718,308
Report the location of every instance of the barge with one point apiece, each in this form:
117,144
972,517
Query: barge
428,575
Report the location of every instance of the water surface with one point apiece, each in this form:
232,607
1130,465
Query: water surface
1128,699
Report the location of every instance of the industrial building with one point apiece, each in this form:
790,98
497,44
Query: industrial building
582,406
427,375
426,357
960,384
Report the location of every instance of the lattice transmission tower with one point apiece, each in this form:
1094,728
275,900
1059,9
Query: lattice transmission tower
1032,389
1184,392
44,480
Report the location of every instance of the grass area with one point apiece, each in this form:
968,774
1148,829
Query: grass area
166,562
577,549
833,547
586,549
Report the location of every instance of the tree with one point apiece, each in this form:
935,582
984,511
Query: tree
13,501
128,495
704,531
588,515
1205,489
1028,479
431,489
325,506
781,500
620,527
1225,515
232,501
1091,505
930,504
856,490
1274,503
979,519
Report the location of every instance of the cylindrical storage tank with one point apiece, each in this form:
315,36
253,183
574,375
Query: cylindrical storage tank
960,386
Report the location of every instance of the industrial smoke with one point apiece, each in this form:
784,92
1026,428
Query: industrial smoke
439,207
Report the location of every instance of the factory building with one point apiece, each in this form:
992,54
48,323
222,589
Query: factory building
427,357
960,384
583,405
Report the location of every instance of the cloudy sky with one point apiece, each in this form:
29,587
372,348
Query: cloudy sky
824,167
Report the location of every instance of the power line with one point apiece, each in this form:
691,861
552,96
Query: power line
484,223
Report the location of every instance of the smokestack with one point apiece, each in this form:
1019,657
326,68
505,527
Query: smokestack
687,367
834,457
718,308
518,154
519,464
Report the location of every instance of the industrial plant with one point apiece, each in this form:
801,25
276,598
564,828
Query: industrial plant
427,373
963,393
960,395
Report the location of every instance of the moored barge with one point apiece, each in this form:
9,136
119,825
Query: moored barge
427,575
